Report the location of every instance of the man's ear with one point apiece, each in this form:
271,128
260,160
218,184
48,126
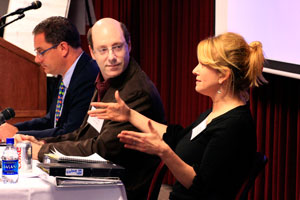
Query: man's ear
64,48
224,76
92,52
129,46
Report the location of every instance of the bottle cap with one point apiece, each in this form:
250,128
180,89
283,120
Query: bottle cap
10,140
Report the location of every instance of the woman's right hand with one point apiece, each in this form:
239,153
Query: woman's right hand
111,111
151,143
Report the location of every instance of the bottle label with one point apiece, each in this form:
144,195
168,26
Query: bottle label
10,167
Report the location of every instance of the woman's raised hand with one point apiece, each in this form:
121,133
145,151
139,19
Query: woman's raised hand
150,143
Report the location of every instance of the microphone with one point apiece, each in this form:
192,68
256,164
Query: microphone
34,5
20,11
6,114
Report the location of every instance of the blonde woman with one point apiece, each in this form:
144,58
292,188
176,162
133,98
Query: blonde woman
211,158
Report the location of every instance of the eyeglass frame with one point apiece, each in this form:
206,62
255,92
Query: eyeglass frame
41,54
113,49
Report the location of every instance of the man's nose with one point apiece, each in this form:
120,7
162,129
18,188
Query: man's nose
112,56
37,59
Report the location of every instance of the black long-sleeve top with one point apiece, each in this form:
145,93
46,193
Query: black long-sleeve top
221,154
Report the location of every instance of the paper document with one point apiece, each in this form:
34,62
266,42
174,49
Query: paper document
94,158
95,122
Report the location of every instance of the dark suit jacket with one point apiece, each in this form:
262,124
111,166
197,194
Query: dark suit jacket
140,94
76,103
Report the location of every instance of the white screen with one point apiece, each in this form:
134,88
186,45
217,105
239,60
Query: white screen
276,23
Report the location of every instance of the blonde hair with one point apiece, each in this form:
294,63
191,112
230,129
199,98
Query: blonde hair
231,51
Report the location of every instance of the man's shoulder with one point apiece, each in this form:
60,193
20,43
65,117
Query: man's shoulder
139,87
85,73
86,66
136,72
139,80
88,62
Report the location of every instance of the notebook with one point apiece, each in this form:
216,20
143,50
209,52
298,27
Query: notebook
62,181
82,169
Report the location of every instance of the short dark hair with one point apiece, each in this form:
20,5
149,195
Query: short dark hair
58,29
125,33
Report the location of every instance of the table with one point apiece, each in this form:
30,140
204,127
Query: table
31,187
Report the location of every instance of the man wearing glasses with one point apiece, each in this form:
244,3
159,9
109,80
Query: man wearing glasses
58,52
110,45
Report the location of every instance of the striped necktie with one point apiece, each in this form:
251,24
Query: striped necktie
59,101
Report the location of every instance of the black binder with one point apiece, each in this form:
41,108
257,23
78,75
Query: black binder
82,169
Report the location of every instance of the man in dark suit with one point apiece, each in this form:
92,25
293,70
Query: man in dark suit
58,51
110,46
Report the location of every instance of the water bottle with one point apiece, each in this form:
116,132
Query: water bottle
10,173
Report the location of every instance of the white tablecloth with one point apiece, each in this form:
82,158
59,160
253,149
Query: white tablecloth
31,187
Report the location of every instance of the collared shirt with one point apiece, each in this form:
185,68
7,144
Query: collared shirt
66,80
101,86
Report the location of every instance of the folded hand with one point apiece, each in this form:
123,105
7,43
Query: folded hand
35,144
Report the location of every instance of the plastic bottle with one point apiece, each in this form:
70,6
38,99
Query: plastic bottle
10,173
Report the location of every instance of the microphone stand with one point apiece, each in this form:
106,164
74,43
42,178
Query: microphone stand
19,17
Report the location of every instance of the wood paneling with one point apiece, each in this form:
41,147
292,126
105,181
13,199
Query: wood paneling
23,83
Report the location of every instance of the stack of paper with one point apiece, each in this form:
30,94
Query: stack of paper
56,155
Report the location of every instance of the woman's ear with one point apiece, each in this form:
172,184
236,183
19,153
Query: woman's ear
223,76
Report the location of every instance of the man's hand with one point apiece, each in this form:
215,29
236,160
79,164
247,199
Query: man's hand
111,111
35,150
35,144
21,137
7,131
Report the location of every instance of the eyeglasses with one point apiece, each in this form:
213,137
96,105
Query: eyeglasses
115,49
41,53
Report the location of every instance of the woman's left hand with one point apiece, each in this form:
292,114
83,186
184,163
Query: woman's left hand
150,143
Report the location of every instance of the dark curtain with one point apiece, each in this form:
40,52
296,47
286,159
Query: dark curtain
276,110
165,34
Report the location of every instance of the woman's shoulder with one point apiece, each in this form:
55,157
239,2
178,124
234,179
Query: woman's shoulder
234,121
